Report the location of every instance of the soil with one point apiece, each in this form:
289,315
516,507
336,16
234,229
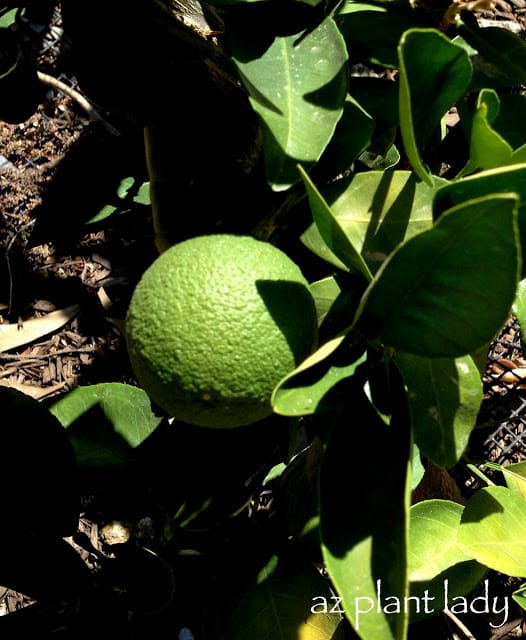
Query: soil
59,168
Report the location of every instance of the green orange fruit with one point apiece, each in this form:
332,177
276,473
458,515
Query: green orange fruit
214,324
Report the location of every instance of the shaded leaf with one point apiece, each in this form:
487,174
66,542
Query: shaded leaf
431,297
434,74
444,398
280,607
369,551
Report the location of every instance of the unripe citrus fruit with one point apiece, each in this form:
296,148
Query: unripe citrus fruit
214,324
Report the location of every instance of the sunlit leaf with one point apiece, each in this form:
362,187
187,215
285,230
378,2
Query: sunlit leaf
298,87
493,530
376,210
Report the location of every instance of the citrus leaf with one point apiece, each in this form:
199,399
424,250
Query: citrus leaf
519,595
438,569
444,399
280,607
434,74
433,544
501,49
514,475
493,530
300,395
488,149
376,210
298,88
367,555
509,179
431,297
128,409
331,232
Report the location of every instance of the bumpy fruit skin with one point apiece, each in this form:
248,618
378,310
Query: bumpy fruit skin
214,324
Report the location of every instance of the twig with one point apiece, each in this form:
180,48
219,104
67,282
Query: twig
506,628
459,624
51,81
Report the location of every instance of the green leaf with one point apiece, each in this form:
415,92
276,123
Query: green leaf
279,607
501,49
324,292
374,31
519,595
298,87
432,298
300,393
366,555
330,230
435,560
514,475
127,192
353,135
519,309
510,179
433,544
434,74
493,530
444,398
8,18
127,408
106,423
488,149
377,211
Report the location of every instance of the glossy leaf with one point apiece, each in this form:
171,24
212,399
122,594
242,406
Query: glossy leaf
127,408
367,554
432,298
301,394
377,211
329,228
519,595
510,179
493,530
298,87
434,74
444,398
106,422
514,476
488,149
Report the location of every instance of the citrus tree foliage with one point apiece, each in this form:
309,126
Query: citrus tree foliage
421,252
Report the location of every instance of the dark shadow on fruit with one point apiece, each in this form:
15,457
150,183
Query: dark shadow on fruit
285,301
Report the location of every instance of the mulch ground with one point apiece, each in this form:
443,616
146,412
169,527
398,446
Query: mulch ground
53,176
